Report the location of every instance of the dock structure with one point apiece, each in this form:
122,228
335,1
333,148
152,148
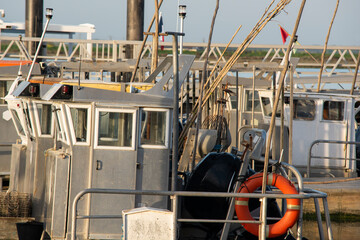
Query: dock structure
343,194
70,50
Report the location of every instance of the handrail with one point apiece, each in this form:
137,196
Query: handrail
174,197
324,157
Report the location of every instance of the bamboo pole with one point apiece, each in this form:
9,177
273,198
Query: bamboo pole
291,117
325,46
143,43
281,83
155,39
217,62
202,83
266,17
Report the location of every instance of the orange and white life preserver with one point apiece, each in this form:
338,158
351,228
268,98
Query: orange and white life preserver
289,218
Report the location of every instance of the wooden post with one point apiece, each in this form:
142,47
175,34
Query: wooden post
291,117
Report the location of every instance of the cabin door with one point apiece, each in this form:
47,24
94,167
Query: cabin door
113,167
333,125
317,119
153,155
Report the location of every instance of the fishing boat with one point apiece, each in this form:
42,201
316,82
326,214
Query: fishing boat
95,156
100,161
324,127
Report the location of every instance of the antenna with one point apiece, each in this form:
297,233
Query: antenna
49,14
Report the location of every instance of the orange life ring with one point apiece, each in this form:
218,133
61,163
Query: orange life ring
289,218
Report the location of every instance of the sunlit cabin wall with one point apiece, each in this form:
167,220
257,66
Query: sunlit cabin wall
28,157
8,134
117,145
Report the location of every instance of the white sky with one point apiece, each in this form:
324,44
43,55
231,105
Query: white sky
109,17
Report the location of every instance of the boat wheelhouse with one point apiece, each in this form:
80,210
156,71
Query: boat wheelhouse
75,137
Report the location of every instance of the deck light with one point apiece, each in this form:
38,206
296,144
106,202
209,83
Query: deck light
65,90
32,90
182,14
49,13
182,11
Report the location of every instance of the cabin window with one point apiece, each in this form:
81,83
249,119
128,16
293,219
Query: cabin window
79,123
60,126
266,106
153,127
44,113
333,110
3,91
17,121
357,112
28,120
115,128
304,109
232,97
248,101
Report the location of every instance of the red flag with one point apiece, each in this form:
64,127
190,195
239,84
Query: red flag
284,34
161,30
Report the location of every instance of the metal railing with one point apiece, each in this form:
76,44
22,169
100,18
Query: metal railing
113,50
310,156
174,198
174,195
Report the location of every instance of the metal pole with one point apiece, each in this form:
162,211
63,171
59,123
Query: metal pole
262,230
48,18
318,217
253,98
181,14
237,110
175,110
181,37
327,218
175,213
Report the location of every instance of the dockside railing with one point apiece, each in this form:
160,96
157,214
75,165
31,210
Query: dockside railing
338,57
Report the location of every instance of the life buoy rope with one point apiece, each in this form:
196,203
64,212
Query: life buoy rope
293,205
